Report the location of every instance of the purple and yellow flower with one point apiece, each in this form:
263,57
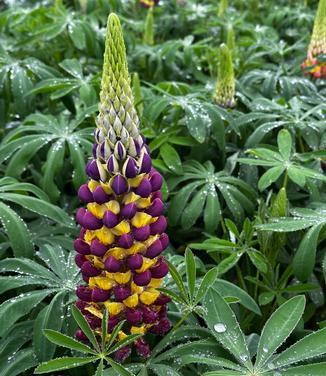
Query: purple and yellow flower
123,227
148,3
315,63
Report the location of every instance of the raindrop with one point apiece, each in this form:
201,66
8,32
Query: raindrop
220,328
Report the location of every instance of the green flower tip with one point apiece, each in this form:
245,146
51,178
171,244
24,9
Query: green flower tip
117,114
318,39
225,87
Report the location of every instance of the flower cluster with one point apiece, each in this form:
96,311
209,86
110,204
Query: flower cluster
149,3
315,64
225,86
122,236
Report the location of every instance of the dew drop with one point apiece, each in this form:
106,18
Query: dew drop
220,328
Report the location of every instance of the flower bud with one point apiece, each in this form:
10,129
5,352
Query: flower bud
110,219
119,185
146,164
84,293
80,259
142,279
159,226
112,164
81,247
112,322
161,328
129,169
100,197
141,233
133,316
156,181
142,348
160,270
129,210
135,261
91,222
156,208
112,265
84,194
122,354
162,299
97,248
80,216
121,292
99,295
154,249
125,241
149,316
80,336
144,189
89,270
92,170
164,240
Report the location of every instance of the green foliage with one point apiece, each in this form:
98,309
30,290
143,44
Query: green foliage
244,186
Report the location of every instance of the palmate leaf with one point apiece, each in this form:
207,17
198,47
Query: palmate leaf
278,327
19,362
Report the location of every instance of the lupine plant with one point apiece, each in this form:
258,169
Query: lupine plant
122,234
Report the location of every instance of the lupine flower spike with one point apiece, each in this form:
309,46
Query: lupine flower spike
225,86
315,64
122,227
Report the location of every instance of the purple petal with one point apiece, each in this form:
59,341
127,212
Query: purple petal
84,194
84,293
89,270
97,248
112,265
125,241
159,226
164,240
110,219
121,292
156,181
142,279
162,299
129,210
91,222
135,261
80,216
154,249
149,316
141,233
161,270
99,295
130,168
156,208
80,259
119,185
122,354
81,247
144,189
146,164
100,197
133,316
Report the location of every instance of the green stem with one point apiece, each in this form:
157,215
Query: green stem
183,318
241,280
285,181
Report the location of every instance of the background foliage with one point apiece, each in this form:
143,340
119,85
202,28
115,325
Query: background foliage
245,190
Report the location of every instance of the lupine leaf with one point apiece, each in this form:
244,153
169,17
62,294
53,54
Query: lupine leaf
191,272
61,364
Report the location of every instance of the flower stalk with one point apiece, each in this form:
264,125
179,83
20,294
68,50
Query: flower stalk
122,227
315,63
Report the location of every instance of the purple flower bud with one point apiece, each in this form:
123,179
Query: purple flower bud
133,316
91,222
164,240
121,292
149,316
99,295
125,241
141,233
112,265
130,168
156,208
154,249
142,348
129,210
137,146
89,270
84,293
82,233
81,247
161,328
162,299
81,305
162,312
98,248
120,151
84,194
80,216
142,279
100,197
160,270
156,181
135,261
85,278
94,322
80,259
144,189
122,354
80,336
157,194
119,185
112,322
112,164
94,149
92,170
110,219
146,164
159,226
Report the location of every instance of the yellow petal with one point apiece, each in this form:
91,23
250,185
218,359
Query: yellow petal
148,242
113,206
147,263
92,185
138,330
96,209
116,252
148,297
141,219
143,203
122,278
131,301
136,181
89,236
130,197
106,187
122,228
114,308
136,248
98,263
103,283
155,282
105,235
121,335
136,289
95,311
